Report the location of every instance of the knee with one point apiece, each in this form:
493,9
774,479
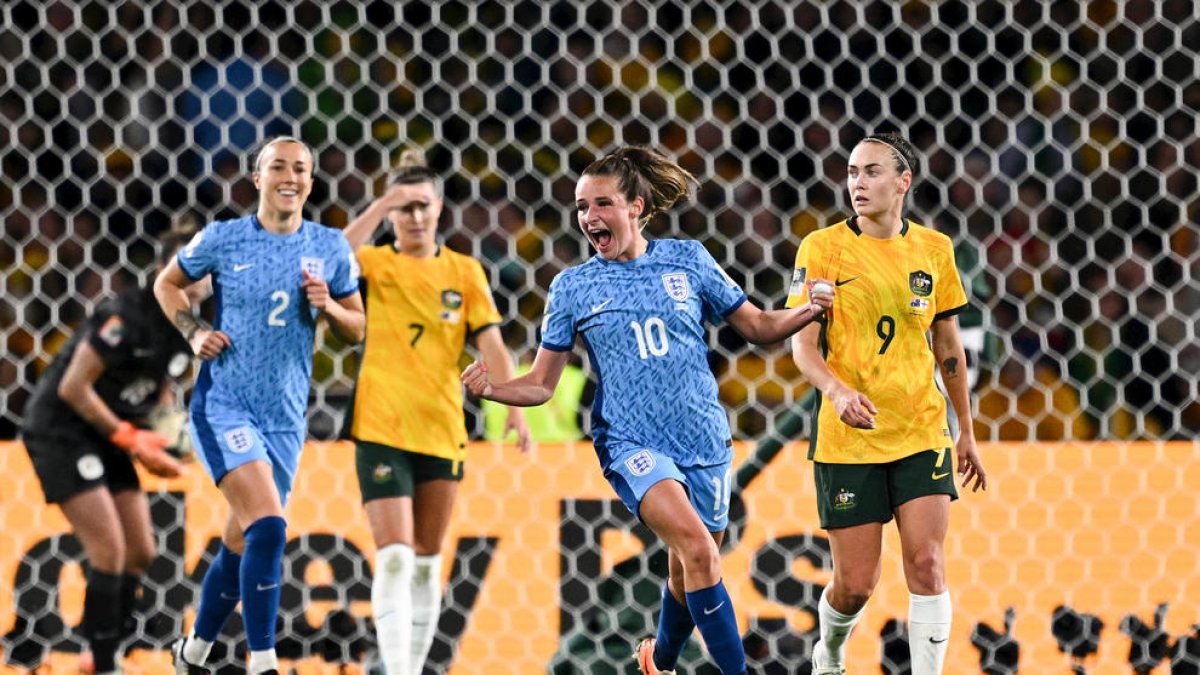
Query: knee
926,570
700,556
850,591
139,555
108,555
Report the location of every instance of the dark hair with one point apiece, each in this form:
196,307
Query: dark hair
411,169
274,140
904,154
646,173
185,227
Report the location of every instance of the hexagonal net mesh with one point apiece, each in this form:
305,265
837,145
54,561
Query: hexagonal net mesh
1058,140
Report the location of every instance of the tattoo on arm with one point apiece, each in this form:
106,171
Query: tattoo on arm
188,324
951,366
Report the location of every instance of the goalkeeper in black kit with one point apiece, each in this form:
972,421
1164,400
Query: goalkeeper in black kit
85,426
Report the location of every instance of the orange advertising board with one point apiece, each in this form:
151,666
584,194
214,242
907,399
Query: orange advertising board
1104,529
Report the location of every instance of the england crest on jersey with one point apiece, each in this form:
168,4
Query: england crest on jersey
314,266
676,284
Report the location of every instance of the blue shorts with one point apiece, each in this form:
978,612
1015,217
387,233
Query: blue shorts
226,441
634,473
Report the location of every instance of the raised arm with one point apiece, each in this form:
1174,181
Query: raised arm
359,231
767,326
534,388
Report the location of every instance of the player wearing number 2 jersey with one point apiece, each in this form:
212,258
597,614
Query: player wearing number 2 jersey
880,441
660,433
274,274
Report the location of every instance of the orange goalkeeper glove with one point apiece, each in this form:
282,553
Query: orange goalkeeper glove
147,447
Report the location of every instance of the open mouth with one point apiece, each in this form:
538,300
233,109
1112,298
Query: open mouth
602,239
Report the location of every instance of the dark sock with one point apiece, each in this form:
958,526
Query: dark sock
712,610
102,618
130,585
219,594
261,574
675,626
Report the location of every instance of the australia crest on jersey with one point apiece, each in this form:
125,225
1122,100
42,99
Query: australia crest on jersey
921,283
676,284
314,266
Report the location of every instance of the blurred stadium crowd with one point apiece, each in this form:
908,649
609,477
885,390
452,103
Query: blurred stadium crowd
1060,140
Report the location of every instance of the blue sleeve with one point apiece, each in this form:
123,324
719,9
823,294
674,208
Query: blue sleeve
344,279
720,294
201,255
558,323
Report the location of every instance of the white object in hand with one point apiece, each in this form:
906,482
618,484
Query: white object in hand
824,289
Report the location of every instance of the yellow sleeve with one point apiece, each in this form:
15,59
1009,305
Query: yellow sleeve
366,260
809,264
801,271
481,308
948,292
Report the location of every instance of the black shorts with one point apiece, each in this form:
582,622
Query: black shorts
384,471
69,464
856,494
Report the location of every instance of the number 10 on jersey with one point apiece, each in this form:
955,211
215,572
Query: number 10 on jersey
651,337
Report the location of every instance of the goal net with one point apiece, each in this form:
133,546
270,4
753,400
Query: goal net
1059,153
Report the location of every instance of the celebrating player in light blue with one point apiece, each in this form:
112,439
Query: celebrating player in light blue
659,430
274,274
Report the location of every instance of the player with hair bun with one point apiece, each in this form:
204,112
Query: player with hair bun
425,303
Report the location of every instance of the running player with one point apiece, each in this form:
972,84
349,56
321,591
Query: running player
659,430
274,274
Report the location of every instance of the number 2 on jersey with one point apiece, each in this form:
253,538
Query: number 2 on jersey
281,297
651,337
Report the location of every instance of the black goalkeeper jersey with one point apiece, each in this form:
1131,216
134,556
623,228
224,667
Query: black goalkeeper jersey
139,347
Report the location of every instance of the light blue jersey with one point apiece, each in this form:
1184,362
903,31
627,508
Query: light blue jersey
264,376
643,323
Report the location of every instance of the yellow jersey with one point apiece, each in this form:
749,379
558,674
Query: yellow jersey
875,338
420,313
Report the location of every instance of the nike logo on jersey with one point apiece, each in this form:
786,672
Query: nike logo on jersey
843,282
266,587
938,476
938,642
597,308
243,266
710,610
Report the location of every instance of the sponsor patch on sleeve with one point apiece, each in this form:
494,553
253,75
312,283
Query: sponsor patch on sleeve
113,331
798,280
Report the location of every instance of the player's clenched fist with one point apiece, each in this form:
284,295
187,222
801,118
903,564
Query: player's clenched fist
475,378
208,344
316,290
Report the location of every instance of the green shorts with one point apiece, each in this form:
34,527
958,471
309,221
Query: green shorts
856,494
384,471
